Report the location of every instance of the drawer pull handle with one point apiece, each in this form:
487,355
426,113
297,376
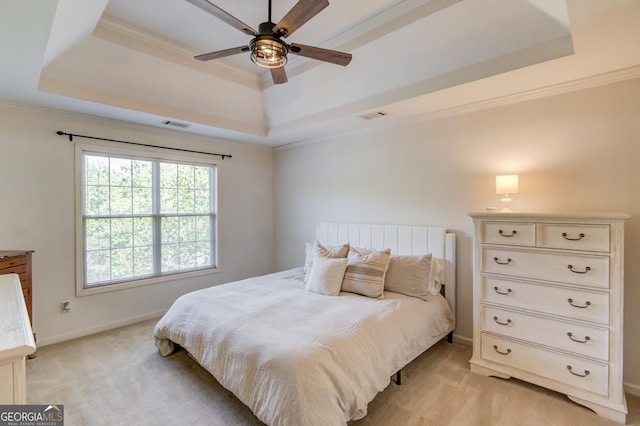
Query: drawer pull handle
581,236
505,235
497,290
586,304
586,269
499,262
495,348
585,374
503,323
586,338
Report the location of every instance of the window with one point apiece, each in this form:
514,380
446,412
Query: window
143,218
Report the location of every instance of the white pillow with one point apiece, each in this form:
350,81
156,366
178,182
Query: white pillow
326,274
340,251
365,272
409,275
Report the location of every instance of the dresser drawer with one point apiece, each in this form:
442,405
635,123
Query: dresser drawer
508,233
21,270
588,375
586,270
567,302
12,262
575,237
580,339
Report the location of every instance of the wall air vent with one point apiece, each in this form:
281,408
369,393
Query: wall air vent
176,124
373,115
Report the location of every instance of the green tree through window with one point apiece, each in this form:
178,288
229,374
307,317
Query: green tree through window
144,217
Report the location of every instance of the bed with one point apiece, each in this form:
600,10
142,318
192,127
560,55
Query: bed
299,357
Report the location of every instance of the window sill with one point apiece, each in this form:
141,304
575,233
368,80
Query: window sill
88,291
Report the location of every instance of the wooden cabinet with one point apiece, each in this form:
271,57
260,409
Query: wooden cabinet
19,262
548,303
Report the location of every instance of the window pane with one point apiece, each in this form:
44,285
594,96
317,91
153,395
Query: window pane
98,266
187,255
121,200
97,234
168,200
143,260
170,257
185,176
122,263
170,230
187,229
185,200
96,200
201,177
142,200
142,231
120,170
203,253
203,227
142,174
202,201
121,232
96,170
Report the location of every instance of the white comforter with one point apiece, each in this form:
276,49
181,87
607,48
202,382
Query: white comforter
299,358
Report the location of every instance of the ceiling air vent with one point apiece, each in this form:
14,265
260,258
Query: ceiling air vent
373,115
176,124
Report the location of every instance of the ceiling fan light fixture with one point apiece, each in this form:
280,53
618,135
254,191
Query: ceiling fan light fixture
268,51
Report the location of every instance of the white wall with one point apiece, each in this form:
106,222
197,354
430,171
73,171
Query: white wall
37,187
573,152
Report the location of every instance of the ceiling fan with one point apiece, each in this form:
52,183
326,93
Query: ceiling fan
267,47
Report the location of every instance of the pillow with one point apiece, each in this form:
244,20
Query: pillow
365,272
409,275
327,251
325,276
434,281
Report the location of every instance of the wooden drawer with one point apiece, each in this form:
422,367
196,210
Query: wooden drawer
576,338
12,262
575,237
580,373
508,233
548,299
586,270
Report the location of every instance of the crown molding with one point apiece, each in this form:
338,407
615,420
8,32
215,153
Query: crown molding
86,119
540,92
598,80
119,32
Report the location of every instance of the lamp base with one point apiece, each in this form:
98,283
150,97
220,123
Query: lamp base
506,204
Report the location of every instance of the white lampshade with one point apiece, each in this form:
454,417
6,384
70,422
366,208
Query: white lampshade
507,184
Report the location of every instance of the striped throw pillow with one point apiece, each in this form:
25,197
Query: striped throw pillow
365,272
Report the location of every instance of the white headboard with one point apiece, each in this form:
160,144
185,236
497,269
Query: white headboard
401,239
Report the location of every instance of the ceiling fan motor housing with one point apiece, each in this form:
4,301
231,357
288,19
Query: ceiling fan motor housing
267,49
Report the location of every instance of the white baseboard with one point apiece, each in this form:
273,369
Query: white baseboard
632,389
98,329
462,340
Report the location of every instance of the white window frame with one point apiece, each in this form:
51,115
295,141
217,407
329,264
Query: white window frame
149,153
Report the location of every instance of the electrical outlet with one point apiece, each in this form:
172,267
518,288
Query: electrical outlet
66,307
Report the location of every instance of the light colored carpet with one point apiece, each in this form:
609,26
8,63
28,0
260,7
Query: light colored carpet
118,378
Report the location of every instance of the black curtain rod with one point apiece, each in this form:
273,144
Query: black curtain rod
71,135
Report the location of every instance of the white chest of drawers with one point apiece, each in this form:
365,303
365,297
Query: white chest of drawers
548,303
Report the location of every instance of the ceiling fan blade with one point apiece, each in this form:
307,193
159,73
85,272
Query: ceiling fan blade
226,17
300,13
222,53
333,56
278,75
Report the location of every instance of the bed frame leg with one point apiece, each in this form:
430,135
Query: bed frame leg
398,378
450,337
